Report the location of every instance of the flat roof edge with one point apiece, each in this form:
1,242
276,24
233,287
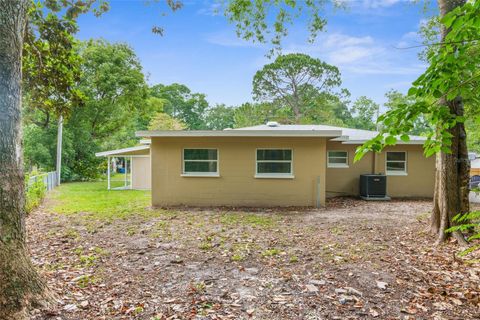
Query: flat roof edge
241,133
119,152
363,141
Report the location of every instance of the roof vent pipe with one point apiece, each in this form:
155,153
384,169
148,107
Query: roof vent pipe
273,124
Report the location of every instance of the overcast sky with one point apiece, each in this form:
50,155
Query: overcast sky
200,49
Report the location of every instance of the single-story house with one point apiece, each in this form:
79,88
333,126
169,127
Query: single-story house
135,172
278,165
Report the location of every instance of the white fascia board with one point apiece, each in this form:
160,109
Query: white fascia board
241,133
119,152
398,142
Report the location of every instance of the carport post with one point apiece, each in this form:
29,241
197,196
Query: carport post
126,170
131,172
108,173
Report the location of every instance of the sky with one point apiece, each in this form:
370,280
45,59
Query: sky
200,48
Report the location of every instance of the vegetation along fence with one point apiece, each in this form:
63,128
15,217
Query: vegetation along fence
49,179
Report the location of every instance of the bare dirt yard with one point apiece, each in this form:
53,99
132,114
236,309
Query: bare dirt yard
109,256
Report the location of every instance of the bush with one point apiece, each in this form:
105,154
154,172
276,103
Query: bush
34,193
469,223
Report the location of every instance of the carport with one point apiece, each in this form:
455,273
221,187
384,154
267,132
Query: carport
128,168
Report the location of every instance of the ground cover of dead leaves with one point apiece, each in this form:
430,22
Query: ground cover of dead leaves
352,260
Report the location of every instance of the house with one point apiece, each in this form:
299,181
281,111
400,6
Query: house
278,165
474,164
134,171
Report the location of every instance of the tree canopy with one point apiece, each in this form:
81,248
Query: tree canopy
293,80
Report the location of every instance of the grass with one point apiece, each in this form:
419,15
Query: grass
240,218
99,203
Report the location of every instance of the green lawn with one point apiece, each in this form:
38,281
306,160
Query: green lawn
94,199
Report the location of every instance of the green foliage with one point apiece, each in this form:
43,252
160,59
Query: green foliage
51,63
267,20
114,94
453,73
365,111
162,121
220,117
293,80
271,252
182,104
468,222
34,192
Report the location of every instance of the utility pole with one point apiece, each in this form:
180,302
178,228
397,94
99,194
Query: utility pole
59,148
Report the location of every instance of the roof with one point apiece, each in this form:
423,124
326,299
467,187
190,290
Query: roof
240,133
347,136
138,150
273,129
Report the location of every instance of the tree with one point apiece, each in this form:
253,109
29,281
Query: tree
114,93
51,68
20,285
396,100
293,79
365,112
220,117
447,82
162,121
182,104
251,114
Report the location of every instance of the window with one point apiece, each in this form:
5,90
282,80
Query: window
200,162
274,163
396,163
337,159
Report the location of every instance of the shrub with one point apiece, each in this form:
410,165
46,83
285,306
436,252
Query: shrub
34,193
470,223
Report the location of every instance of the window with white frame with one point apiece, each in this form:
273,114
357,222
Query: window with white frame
274,162
337,159
396,163
200,161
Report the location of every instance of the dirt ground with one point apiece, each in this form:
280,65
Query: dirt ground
352,260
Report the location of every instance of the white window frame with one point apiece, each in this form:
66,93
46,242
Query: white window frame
200,174
337,165
274,175
396,173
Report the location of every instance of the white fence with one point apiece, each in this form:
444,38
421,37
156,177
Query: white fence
49,179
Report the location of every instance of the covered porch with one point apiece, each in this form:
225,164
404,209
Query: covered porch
128,168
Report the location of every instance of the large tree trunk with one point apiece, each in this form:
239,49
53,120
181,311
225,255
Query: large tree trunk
20,286
452,169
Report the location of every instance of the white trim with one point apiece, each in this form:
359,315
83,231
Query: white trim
119,152
338,165
274,176
240,133
131,172
200,174
419,142
108,172
397,173
289,175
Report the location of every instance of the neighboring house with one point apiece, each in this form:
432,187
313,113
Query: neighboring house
278,165
136,173
475,166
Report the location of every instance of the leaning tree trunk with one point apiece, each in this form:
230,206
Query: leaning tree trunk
20,285
452,169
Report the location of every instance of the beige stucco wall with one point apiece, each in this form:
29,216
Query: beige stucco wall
419,181
420,178
345,181
237,185
141,175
